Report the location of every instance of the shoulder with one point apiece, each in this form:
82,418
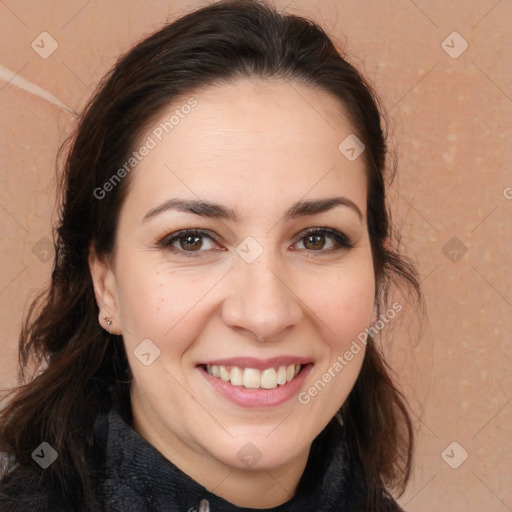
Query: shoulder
25,487
29,488
21,491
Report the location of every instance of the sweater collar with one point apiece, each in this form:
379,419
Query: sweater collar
138,477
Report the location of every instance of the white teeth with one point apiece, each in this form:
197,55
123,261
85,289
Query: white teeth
224,374
252,378
281,375
269,379
237,377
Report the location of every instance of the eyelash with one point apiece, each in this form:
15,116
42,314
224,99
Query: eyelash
342,241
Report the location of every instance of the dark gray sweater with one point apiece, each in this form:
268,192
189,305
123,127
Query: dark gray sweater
135,477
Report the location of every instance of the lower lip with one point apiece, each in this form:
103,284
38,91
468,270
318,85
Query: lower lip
258,398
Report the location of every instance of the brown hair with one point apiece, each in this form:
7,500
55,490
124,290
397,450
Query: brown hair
219,43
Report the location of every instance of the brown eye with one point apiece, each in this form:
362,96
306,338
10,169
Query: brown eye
314,242
323,240
190,243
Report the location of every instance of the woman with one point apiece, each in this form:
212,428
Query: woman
222,264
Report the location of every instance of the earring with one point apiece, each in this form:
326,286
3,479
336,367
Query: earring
108,321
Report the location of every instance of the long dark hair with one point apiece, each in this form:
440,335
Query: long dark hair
80,361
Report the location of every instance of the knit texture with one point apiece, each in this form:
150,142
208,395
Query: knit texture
135,477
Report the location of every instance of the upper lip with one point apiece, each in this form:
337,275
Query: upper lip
257,363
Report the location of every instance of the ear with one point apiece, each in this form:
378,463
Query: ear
105,291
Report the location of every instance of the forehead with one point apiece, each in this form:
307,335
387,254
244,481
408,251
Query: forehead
275,141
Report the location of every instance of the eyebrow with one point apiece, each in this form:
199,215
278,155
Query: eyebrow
214,210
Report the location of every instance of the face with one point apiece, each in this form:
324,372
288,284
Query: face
242,274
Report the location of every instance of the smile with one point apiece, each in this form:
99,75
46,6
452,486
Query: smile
257,383
252,378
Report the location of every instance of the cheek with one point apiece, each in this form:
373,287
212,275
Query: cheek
160,305
343,306
343,303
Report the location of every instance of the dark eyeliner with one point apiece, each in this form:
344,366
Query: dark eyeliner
341,239
167,241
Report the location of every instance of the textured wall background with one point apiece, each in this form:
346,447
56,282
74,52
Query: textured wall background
443,72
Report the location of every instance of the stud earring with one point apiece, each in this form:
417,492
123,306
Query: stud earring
108,321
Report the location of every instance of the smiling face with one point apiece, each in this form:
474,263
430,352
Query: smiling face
242,254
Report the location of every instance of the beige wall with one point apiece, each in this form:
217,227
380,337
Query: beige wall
450,119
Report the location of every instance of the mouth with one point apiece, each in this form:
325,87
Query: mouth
256,383
253,378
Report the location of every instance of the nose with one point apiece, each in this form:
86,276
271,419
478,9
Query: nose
261,303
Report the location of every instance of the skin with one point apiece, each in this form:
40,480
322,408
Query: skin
256,147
